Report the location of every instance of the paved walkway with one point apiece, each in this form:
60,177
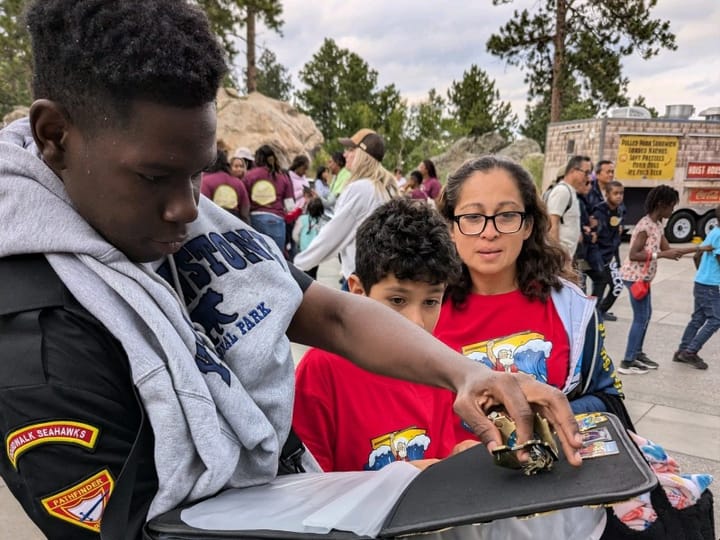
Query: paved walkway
675,406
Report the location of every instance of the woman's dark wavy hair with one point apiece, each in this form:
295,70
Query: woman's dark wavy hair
430,167
320,170
540,264
408,239
265,157
95,57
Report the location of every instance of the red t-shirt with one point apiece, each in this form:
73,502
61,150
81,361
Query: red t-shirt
351,419
527,335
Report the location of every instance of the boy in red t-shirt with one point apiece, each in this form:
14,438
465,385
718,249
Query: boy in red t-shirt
351,419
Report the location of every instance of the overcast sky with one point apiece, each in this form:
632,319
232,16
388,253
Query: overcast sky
421,44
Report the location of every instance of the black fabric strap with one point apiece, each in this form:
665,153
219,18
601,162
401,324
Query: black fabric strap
291,456
119,522
27,283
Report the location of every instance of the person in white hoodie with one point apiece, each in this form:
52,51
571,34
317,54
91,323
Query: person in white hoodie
369,186
144,332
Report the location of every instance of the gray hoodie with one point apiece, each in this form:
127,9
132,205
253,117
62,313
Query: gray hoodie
213,368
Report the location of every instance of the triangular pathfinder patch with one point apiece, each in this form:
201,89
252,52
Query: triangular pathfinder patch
84,503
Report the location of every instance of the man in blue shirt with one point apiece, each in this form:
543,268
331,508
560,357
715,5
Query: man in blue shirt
705,319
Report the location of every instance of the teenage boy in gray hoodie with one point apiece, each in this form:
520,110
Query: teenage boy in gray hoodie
144,332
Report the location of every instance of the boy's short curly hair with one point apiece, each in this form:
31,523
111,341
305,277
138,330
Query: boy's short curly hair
408,239
95,57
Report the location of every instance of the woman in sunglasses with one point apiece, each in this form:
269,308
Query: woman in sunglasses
515,308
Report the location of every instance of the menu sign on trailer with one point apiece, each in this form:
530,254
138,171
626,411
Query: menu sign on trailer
709,170
648,157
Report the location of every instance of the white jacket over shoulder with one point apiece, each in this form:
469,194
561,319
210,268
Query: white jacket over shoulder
356,202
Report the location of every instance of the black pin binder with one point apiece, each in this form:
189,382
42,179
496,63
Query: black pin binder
469,488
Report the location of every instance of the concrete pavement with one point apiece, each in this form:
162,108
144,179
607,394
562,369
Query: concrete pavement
675,406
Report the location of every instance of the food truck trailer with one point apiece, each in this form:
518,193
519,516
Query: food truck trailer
672,150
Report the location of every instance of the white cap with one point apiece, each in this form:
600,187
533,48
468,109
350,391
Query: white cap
243,152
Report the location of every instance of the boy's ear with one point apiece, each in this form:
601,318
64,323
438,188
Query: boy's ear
50,124
354,285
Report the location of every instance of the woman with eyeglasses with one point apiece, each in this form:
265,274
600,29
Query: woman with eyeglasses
515,308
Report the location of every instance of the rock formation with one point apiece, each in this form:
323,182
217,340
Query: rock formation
255,119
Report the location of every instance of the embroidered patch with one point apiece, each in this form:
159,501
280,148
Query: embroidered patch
84,503
57,431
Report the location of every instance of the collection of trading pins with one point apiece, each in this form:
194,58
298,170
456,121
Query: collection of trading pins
597,441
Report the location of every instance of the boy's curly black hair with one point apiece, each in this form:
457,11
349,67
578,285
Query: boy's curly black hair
408,239
95,57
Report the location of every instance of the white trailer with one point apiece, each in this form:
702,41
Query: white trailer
682,153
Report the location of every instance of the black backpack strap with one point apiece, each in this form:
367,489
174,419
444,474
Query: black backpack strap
291,456
569,204
546,196
119,518
28,283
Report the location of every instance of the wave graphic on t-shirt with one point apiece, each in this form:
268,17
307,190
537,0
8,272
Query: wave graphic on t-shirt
513,354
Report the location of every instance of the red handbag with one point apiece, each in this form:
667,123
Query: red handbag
640,288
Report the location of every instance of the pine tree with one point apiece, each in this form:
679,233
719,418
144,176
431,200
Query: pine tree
429,129
476,105
581,40
537,113
228,17
273,79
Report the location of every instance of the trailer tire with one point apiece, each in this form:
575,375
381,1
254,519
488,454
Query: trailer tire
707,223
680,227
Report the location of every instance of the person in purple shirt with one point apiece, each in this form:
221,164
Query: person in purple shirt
430,184
224,189
271,195
413,187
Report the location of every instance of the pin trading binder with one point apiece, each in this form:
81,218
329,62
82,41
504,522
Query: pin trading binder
469,488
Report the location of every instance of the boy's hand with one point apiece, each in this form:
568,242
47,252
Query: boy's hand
521,396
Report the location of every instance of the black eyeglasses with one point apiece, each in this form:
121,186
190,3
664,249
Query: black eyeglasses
586,173
504,222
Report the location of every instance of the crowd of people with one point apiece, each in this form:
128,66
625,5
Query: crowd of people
146,329
324,213
586,211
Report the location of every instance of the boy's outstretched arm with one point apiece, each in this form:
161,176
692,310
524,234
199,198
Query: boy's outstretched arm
380,340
